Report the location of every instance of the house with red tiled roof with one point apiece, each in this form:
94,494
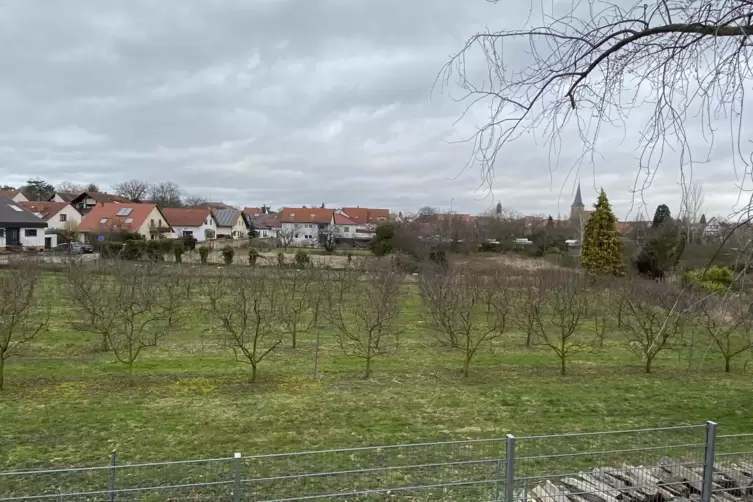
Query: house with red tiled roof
303,226
85,201
197,223
58,215
14,195
266,226
111,217
364,215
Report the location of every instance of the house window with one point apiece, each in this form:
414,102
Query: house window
103,221
2,233
15,208
63,217
129,220
346,230
30,232
151,223
124,211
295,236
187,233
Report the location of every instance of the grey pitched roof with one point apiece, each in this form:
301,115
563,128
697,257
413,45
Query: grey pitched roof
10,216
578,199
226,217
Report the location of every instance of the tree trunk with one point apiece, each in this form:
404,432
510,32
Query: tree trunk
726,369
130,372
316,355
105,345
2,371
367,369
563,365
253,373
466,366
649,360
294,338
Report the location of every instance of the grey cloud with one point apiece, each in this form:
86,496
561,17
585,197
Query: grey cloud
277,102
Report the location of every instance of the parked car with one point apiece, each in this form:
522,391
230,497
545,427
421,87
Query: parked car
74,248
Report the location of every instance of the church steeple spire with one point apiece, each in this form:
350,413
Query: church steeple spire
578,202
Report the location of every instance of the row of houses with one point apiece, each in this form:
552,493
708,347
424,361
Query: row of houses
93,216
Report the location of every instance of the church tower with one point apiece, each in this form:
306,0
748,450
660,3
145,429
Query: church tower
577,208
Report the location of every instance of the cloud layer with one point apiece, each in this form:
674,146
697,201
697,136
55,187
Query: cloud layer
277,102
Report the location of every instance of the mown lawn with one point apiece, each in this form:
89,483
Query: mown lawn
67,404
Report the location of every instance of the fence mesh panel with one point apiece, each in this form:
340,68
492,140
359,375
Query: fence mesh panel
690,463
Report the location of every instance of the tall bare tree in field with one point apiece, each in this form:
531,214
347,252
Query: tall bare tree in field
728,323
24,310
364,301
590,64
298,297
565,308
245,303
463,309
653,316
127,307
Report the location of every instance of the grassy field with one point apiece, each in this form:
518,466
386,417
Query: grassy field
67,404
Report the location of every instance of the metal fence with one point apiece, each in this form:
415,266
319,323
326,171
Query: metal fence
651,465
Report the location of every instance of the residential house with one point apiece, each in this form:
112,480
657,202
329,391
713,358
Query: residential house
60,216
213,205
63,197
197,223
144,219
364,215
22,228
346,228
253,212
85,201
302,226
267,226
230,223
14,195
713,229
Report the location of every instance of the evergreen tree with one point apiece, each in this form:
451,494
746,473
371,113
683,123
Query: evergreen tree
602,248
703,219
550,221
498,209
662,215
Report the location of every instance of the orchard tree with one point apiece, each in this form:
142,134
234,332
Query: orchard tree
589,65
38,189
602,248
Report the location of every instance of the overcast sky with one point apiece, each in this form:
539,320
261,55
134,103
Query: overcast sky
282,102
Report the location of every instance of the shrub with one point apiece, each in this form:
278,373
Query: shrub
155,250
203,254
280,259
134,249
253,256
301,258
350,257
227,255
178,248
110,249
716,279
438,257
384,239
189,242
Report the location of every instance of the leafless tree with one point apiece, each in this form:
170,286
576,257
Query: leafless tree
461,309
363,304
285,237
24,310
527,303
165,194
727,321
194,200
594,62
653,315
125,308
245,303
69,187
298,297
691,207
132,189
564,309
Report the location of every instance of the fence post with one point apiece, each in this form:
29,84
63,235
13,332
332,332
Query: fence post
708,462
111,477
498,485
237,477
509,467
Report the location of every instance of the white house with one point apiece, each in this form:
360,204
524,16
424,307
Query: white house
302,226
198,223
22,228
230,223
267,226
58,215
713,228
